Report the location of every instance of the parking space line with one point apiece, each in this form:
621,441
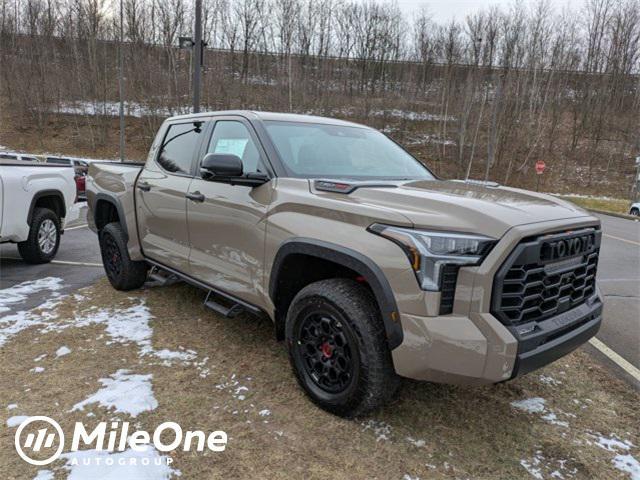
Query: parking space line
76,227
83,264
615,358
622,239
61,262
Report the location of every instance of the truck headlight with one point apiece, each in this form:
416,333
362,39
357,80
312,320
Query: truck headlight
429,251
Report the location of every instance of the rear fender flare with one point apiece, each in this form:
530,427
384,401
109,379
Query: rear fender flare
46,193
113,201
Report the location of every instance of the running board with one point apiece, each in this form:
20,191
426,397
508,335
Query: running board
231,311
211,290
161,280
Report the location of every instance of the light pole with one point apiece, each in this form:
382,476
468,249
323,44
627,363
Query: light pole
121,82
197,61
197,45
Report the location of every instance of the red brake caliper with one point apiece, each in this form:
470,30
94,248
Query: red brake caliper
327,350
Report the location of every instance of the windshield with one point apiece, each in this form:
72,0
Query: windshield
330,151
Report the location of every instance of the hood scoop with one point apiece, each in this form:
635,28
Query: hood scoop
481,183
347,187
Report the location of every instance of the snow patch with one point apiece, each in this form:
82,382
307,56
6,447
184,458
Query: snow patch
44,475
413,116
264,413
552,418
613,444
12,406
381,430
534,466
530,405
416,443
627,463
537,405
13,324
127,393
62,351
547,380
20,292
16,420
37,370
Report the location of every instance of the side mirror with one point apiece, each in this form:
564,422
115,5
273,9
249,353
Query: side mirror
222,165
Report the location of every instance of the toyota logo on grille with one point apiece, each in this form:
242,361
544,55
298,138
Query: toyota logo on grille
567,247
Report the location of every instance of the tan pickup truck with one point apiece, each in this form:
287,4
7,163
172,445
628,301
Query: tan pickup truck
370,267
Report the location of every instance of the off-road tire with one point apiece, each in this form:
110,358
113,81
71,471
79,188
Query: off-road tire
352,308
31,250
122,272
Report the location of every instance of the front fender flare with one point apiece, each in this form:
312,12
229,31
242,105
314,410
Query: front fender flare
355,261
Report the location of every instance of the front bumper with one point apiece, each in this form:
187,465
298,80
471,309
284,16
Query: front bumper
557,336
480,350
473,346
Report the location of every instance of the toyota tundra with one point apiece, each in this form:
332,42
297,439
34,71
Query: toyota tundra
370,267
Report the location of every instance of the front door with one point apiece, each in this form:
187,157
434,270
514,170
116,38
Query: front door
227,223
160,196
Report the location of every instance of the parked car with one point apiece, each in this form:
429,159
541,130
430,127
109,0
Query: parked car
35,201
370,267
81,192
80,166
18,156
635,209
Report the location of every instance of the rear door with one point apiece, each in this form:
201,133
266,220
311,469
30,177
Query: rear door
227,223
160,196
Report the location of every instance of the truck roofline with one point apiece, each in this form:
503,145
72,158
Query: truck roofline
253,115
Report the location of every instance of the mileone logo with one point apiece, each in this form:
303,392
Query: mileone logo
48,440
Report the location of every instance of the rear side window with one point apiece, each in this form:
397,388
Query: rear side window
179,146
6,156
60,161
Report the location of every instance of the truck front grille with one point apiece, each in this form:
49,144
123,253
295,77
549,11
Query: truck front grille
546,276
448,288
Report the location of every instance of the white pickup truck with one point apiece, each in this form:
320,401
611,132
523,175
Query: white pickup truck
35,201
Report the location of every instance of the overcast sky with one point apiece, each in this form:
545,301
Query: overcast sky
444,10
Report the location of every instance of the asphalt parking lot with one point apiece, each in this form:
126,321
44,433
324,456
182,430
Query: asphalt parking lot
78,264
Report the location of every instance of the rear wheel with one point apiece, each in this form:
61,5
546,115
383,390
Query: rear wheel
122,272
338,349
44,237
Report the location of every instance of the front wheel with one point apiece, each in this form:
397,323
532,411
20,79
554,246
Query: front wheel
44,237
635,212
122,272
338,349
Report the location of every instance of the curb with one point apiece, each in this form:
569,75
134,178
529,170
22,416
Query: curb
615,214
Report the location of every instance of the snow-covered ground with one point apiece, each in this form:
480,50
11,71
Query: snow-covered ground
20,292
124,392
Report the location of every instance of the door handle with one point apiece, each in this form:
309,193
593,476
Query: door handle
195,196
144,186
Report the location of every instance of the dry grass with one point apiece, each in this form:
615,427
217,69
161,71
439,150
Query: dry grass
459,432
615,205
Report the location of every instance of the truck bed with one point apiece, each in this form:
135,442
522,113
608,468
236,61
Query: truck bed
114,182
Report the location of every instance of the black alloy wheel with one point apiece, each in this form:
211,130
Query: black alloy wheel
324,350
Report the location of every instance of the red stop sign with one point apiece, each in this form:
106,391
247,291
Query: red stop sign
540,166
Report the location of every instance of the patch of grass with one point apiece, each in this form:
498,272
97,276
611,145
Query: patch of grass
615,205
429,431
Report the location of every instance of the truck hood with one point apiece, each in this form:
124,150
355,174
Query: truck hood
467,207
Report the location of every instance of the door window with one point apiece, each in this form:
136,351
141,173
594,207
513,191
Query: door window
233,137
178,147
